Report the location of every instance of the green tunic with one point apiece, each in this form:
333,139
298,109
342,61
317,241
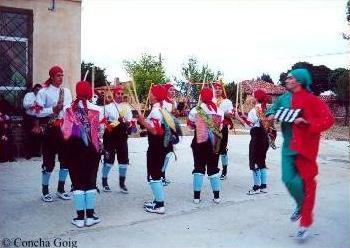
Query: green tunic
283,101
290,176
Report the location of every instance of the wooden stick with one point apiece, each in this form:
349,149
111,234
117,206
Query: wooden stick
223,86
133,99
203,84
149,92
237,97
205,76
134,88
241,99
86,73
93,79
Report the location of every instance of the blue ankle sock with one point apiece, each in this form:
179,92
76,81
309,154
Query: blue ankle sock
105,169
45,178
62,175
197,181
79,200
122,170
90,199
215,182
263,176
157,189
224,159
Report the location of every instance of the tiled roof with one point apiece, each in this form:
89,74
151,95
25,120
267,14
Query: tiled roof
249,86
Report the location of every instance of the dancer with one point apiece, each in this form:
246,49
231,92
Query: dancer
80,130
163,130
259,144
170,105
301,142
53,99
115,139
206,119
226,106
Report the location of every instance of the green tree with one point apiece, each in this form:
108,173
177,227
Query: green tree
266,77
145,71
333,77
100,74
194,73
231,90
342,91
320,76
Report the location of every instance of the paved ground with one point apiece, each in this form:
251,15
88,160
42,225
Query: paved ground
239,221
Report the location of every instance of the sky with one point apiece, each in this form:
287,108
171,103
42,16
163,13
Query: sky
241,38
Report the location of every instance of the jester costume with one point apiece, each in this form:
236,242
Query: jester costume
301,143
206,119
80,130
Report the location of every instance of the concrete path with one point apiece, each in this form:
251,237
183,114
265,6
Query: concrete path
239,221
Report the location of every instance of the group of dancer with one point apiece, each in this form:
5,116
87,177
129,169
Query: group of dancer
80,132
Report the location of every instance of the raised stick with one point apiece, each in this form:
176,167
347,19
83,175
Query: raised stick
237,89
146,104
86,73
93,79
241,98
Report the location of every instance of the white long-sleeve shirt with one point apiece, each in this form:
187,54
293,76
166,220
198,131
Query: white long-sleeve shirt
155,114
225,105
169,106
253,117
48,97
219,114
111,112
29,100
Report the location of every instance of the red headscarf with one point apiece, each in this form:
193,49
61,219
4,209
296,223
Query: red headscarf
159,93
219,85
118,88
207,98
261,97
167,86
84,93
53,72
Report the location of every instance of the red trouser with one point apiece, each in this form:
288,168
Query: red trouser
307,170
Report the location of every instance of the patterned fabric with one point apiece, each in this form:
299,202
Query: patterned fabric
202,131
268,127
287,115
172,128
210,130
82,116
82,124
212,123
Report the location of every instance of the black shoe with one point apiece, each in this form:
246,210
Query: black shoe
223,177
124,189
90,221
296,215
166,182
106,188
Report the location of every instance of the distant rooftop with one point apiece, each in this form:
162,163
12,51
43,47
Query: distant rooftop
249,86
